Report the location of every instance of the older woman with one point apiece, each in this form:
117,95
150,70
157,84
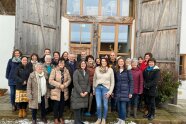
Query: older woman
60,78
103,85
21,77
79,98
13,63
37,92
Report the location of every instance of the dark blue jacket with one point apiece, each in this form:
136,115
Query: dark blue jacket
123,85
10,71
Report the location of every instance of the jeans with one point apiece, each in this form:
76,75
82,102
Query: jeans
58,107
122,109
134,100
151,104
43,110
12,94
100,96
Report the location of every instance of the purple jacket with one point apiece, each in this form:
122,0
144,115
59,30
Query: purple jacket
138,80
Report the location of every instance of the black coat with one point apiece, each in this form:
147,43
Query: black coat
22,74
123,85
151,79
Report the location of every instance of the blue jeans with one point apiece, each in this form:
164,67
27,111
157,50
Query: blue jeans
122,109
134,100
100,96
12,94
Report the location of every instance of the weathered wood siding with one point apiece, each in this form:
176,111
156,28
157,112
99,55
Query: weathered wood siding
37,25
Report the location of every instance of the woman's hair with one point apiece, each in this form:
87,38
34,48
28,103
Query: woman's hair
89,56
106,59
38,64
152,60
61,60
24,57
34,54
48,56
13,53
79,64
63,54
150,54
140,58
134,60
117,65
57,53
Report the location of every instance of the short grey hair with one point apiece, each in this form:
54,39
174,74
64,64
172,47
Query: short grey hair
128,59
48,57
38,64
134,60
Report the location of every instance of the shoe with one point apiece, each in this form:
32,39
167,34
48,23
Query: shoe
147,115
135,112
128,112
14,108
20,114
62,121
151,117
87,114
98,121
33,121
103,121
24,113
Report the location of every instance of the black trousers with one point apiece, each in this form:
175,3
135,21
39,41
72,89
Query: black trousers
42,107
22,105
58,107
77,116
150,100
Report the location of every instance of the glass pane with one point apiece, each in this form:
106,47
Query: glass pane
123,39
86,33
75,33
90,7
107,38
124,7
109,7
73,7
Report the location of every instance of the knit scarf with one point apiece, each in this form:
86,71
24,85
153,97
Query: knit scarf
150,68
42,87
16,59
103,70
34,62
62,75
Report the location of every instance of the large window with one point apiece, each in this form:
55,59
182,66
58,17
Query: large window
90,7
100,7
80,33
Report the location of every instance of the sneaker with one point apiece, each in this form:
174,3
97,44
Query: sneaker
87,114
98,121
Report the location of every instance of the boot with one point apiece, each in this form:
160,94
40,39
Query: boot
128,112
56,121
33,121
20,113
135,112
98,121
62,121
103,121
24,112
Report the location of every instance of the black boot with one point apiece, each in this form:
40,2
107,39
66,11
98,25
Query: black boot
147,115
151,117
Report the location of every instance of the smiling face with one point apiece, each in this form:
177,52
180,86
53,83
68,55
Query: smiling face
90,60
103,62
56,56
17,54
151,63
39,68
24,61
47,52
83,65
34,58
61,64
121,63
65,55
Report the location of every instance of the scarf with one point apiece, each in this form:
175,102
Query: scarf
150,68
16,59
62,75
34,62
42,87
103,70
49,69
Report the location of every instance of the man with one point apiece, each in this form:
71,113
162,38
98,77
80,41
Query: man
82,57
47,51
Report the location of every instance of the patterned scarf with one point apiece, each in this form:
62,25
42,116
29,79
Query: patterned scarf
102,69
16,59
62,75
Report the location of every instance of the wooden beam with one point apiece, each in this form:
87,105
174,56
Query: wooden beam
2,9
161,29
145,1
38,24
100,19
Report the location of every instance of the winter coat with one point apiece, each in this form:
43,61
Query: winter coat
138,80
143,66
32,91
91,71
55,80
22,74
151,79
81,84
123,85
10,71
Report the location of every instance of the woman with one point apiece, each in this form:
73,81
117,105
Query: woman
144,64
97,61
128,63
65,56
123,88
79,97
91,70
34,59
140,61
138,86
103,83
37,92
13,63
151,76
21,77
60,78
56,56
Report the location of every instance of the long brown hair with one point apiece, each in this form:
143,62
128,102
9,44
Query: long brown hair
124,66
16,50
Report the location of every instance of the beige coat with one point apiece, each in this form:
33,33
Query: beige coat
32,91
55,80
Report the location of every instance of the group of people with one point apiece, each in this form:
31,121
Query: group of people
82,84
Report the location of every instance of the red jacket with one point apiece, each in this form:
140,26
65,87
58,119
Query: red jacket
143,66
138,80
